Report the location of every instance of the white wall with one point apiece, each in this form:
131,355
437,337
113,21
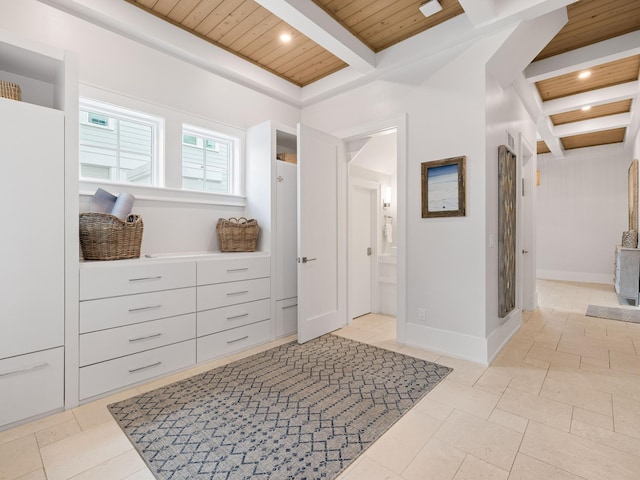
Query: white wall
582,212
505,113
445,105
112,65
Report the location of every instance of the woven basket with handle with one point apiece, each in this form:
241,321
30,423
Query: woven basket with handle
237,234
106,237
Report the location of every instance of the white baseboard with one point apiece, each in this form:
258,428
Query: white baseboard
583,277
501,335
447,342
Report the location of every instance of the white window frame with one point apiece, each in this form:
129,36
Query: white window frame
235,162
157,143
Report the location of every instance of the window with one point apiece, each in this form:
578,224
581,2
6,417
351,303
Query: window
209,160
119,145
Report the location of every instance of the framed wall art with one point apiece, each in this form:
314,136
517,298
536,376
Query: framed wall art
443,188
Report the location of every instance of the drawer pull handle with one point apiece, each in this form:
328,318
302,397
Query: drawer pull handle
25,369
142,279
238,316
238,339
243,269
133,370
289,306
140,309
237,293
155,335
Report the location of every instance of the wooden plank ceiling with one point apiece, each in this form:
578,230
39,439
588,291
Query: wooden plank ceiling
250,31
592,21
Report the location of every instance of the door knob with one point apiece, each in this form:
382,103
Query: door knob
368,251
525,251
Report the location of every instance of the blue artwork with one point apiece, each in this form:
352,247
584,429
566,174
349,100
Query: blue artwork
442,183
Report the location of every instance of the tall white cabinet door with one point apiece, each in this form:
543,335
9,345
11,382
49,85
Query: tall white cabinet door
32,218
286,230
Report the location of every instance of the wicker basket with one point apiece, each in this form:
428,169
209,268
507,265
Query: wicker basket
630,239
10,90
237,234
106,237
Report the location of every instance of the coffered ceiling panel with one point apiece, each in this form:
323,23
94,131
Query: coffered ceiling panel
592,21
606,75
622,106
250,31
592,139
383,24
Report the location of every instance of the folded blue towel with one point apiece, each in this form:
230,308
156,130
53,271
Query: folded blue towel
103,201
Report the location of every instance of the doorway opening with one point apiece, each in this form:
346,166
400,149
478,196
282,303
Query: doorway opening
372,227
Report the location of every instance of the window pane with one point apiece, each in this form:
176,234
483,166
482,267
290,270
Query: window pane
119,141
207,163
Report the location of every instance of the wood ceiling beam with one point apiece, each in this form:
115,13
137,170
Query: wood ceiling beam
592,125
586,57
601,96
308,18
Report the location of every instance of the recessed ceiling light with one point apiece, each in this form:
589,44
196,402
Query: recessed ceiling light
585,74
430,7
586,107
285,38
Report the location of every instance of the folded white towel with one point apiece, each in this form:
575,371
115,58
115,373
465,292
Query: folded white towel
388,232
123,206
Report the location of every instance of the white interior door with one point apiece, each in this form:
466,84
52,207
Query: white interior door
360,251
321,234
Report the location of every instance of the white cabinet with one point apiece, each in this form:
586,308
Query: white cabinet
143,318
274,205
286,317
32,195
137,321
31,384
32,215
286,283
627,274
234,311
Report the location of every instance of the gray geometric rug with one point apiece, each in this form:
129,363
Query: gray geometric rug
292,412
613,313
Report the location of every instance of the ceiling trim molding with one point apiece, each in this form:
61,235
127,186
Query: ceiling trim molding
593,98
316,24
133,23
586,57
593,125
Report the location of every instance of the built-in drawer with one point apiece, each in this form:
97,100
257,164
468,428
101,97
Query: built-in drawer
31,384
219,319
117,342
286,317
102,281
129,309
102,377
233,269
223,343
224,294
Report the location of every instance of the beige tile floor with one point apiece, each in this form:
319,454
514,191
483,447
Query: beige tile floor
561,401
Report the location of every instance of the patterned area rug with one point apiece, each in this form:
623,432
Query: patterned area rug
613,313
292,412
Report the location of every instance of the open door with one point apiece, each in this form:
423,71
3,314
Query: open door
321,234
